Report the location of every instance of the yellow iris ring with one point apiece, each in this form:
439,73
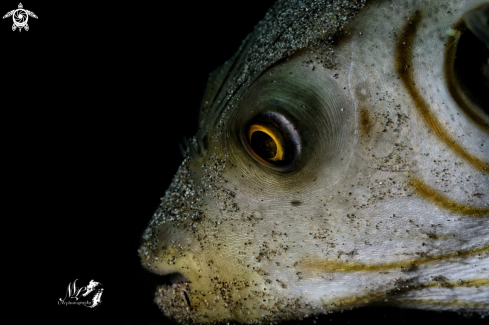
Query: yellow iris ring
272,133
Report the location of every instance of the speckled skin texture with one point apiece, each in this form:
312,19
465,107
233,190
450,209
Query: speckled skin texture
387,202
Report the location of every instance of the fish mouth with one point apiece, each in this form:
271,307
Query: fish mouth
170,280
172,295
176,278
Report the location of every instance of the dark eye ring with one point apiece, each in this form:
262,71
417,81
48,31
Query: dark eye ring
467,65
272,139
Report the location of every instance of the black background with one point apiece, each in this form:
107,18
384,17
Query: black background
95,100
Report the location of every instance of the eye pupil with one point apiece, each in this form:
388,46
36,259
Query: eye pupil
471,66
263,145
272,140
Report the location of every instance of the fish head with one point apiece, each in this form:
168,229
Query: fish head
341,160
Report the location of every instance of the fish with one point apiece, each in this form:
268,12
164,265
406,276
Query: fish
341,161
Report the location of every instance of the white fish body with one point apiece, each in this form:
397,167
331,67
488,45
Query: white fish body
342,160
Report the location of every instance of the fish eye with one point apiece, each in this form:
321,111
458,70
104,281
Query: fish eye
272,139
468,63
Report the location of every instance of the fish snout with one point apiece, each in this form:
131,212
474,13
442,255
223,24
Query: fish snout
165,250
174,273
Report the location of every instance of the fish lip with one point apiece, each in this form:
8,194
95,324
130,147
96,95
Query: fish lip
168,278
175,301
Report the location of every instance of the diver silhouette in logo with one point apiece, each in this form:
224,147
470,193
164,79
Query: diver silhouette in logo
92,294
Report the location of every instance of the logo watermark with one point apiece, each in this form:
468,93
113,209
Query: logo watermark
20,17
89,296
